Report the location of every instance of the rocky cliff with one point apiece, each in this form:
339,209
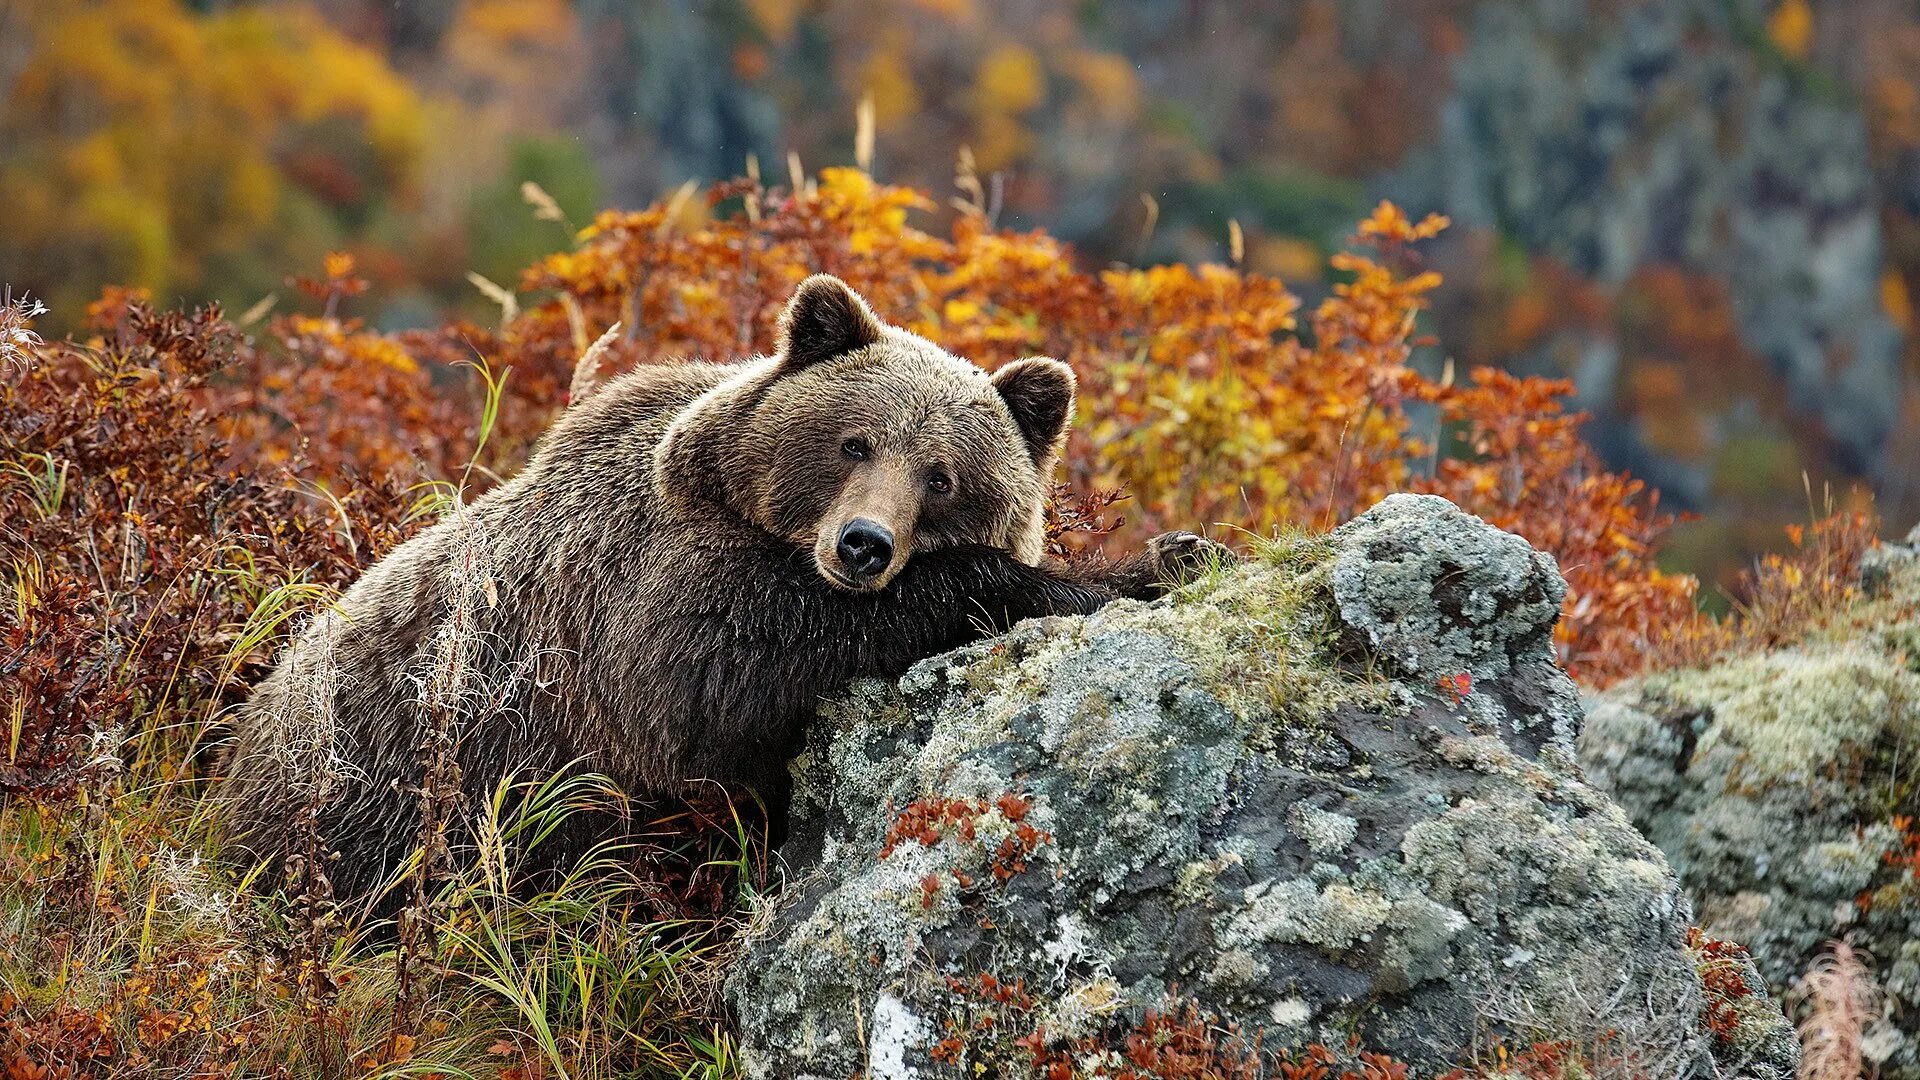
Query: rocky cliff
1621,138
1327,798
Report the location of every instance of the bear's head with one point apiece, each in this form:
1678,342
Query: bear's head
865,444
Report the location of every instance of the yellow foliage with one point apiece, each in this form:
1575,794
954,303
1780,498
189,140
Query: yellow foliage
1108,79
1791,28
888,78
999,140
1009,79
180,137
513,23
1390,224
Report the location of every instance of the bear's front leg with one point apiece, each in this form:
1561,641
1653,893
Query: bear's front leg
983,589
1167,560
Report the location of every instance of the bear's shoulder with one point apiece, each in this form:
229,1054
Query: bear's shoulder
627,415
657,389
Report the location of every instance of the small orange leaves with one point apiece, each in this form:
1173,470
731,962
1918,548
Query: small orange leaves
931,820
927,821
1457,687
337,279
1390,224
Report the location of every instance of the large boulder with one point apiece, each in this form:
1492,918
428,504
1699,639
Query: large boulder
1784,787
1328,798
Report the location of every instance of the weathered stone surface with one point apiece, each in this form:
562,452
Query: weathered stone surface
1253,796
1783,788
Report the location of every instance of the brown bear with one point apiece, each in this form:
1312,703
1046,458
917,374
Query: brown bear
693,556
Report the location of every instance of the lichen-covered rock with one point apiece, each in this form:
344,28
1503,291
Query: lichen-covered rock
1437,594
1257,799
1784,787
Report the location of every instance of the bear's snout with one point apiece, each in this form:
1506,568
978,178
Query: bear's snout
865,548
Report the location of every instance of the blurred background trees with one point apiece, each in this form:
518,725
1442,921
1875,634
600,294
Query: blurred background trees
193,155
1705,213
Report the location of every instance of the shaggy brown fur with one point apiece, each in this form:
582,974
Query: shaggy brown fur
664,592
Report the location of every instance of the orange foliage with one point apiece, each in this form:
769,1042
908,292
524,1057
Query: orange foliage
1316,1062
930,820
992,1029
1783,595
1525,469
1721,965
1206,392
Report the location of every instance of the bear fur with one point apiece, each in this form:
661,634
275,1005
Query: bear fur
661,596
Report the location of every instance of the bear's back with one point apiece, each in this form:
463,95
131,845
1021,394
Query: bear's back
621,421
587,491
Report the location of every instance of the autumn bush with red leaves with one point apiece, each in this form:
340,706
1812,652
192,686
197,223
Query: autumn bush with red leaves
140,538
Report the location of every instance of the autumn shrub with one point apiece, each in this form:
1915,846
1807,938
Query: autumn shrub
1782,596
141,550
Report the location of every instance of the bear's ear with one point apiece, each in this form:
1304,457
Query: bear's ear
824,319
1039,393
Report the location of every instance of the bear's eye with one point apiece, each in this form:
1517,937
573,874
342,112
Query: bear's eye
939,483
856,449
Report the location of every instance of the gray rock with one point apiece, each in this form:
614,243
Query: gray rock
1883,566
1251,798
1777,783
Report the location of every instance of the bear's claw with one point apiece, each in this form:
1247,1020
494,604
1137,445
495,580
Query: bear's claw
1181,556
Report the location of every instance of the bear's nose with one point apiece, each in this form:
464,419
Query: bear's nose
866,547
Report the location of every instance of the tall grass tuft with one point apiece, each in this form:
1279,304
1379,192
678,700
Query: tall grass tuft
1837,999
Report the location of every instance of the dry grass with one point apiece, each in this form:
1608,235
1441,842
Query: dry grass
1837,998
126,945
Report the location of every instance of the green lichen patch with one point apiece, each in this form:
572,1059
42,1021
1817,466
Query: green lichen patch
1266,640
1794,714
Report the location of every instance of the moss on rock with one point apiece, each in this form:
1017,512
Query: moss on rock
1782,785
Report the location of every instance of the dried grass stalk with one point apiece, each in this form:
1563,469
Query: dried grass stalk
1839,998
